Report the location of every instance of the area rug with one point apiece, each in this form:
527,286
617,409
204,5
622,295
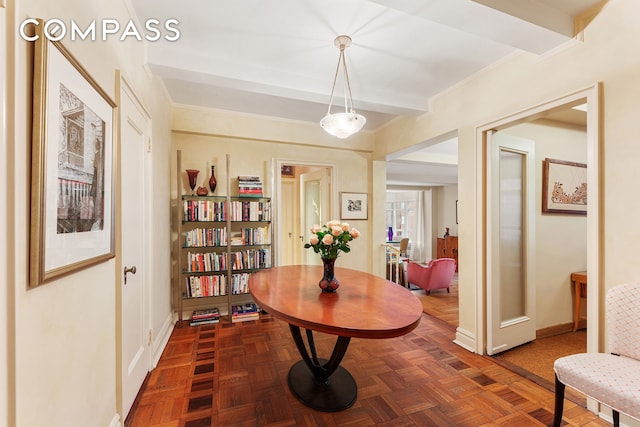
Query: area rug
537,356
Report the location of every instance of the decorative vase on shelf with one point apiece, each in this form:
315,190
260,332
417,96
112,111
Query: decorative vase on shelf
193,176
212,181
390,234
329,283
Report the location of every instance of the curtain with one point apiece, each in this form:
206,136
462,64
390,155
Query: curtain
422,239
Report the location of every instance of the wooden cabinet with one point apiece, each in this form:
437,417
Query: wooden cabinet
222,240
448,248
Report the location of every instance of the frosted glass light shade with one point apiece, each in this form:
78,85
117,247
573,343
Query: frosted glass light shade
342,125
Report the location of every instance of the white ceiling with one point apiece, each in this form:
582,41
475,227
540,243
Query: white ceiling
277,57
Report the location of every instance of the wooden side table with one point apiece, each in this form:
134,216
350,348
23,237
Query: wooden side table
579,290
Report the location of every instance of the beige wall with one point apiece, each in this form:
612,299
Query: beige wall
201,142
65,346
5,354
606,55
65,336
446,197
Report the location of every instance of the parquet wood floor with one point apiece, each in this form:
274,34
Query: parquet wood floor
236,375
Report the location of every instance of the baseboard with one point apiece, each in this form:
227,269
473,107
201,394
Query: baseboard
465,339
162,338
115,421
555,330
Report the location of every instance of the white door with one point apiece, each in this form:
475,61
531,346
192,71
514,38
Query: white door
315,206
510,273
136,361
288,230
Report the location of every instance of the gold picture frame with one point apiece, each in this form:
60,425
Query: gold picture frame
564,187
72,166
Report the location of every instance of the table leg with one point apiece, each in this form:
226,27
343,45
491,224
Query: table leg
321,384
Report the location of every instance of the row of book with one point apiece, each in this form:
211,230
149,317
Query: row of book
244,312
198,262
218,211
202,237
248,210
251,259
249,185
216,285
205,317
206,286
204,210
212,237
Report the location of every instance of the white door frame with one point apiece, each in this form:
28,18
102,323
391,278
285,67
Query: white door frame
277,182
592,94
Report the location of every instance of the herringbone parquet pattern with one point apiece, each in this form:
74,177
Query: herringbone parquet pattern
236,375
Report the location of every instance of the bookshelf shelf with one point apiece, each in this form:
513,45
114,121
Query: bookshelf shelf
222,241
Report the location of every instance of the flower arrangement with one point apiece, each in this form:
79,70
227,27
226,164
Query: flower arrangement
329,239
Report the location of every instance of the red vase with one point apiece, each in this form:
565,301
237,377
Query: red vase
212,181
329,283
193,175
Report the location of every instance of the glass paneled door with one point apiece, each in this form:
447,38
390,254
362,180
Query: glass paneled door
511,284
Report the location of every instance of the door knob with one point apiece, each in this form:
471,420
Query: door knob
131,270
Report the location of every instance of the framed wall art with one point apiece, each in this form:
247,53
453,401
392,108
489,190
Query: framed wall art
287,170
353,205
72,166
564,187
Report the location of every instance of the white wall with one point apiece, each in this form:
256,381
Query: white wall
66,342
561,240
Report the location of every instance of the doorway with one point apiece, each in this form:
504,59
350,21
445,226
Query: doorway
305,196
588,97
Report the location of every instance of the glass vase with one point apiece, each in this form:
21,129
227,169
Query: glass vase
212,180
193,176
329,283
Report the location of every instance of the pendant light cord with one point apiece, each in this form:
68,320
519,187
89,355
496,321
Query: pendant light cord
341,58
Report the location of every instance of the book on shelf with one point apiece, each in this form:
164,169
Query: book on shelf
207,313
245,318
249,185
206,316
244,312
204,322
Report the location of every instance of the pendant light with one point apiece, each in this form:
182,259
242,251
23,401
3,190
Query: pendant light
342,125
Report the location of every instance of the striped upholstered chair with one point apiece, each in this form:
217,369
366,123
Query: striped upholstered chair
610,378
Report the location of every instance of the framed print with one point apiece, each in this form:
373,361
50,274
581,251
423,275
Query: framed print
72,166
287,170
353,205
564,187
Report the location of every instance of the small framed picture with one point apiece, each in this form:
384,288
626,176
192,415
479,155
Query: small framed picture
564,187
287,170
354,205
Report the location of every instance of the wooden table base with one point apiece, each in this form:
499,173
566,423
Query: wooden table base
321,384
336,393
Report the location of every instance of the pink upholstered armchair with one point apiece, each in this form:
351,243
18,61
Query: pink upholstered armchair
437,274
